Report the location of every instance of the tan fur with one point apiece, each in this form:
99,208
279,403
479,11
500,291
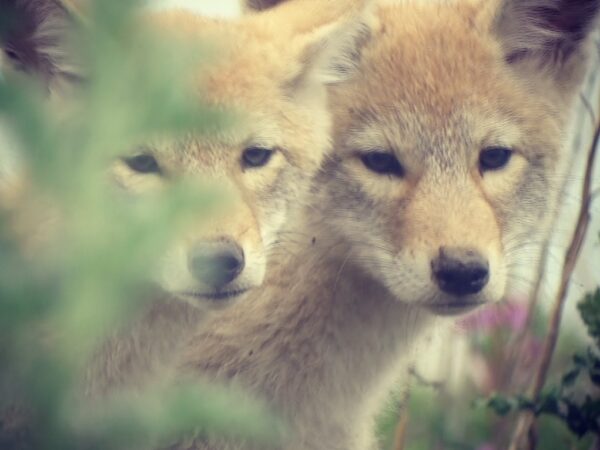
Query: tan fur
439,82
273,79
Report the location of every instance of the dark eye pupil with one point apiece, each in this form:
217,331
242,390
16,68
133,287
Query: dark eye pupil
494,158
143,163
11,54
256,156
383,163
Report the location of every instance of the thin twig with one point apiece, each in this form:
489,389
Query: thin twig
401,431
517,347
435,385
525,431
589,108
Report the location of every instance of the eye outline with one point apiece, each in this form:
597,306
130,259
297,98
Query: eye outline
393,169
144,163
12,54
14,58
496,166
264,157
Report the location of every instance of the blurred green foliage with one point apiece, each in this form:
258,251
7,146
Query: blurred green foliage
470,418
589,310
575,400
57,305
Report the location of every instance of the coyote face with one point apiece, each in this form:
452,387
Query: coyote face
449,144
268,74
271,72
259,168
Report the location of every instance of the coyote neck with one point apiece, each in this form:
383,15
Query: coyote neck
318,343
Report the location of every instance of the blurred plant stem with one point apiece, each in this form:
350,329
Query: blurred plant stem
524,437
401,431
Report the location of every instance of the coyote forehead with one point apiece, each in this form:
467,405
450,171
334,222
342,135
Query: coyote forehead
438,75
266,76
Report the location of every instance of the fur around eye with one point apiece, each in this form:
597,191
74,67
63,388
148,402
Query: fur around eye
384,163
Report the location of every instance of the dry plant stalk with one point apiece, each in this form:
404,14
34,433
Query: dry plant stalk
524,437
400,434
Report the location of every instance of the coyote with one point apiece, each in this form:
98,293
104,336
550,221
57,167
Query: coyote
272,70
448,157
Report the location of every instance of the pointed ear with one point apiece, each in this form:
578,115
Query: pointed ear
327,39
33,36
548,33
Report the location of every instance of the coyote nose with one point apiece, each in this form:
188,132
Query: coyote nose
216,263
460,271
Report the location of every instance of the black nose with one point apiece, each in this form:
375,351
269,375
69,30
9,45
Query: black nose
460,271
216,263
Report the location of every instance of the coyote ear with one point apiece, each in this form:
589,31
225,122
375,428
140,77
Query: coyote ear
328,51
550,33
259,5
332,54
32,39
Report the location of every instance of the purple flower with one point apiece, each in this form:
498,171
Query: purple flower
486,446
509,315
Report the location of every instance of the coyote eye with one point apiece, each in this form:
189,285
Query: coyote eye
494,158
12,55
383,163
143,163
256,156
14,59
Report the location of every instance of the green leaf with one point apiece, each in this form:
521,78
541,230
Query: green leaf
548,403
589,309
575,419
570,377
500,405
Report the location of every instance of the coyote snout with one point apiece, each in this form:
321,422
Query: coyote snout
455,252
216,263
460,271
212,259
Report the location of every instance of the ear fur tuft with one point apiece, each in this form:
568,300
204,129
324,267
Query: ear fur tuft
552,30
336,55
33,35
327,35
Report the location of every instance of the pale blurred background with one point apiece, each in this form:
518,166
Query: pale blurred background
452,361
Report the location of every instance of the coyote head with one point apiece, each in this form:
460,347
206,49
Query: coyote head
449,144
271,71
